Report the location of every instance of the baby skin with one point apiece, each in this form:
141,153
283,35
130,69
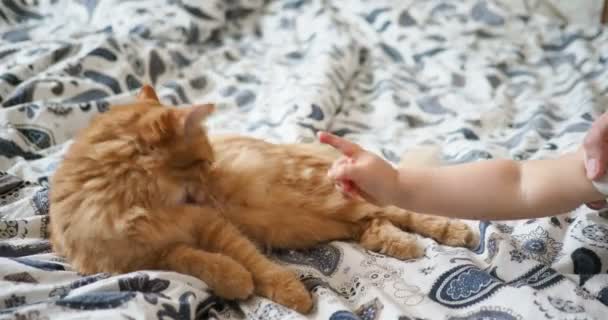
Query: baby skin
492,189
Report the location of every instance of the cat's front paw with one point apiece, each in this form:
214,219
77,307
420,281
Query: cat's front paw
402,250
459,234
284,287
236,282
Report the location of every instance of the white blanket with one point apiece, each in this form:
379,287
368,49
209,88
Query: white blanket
473,76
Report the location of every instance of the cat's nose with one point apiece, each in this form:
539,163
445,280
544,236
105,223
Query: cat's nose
195,196
189,199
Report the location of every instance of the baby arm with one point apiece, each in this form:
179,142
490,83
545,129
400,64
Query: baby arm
492,189
498,189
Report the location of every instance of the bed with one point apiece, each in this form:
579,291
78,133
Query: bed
480,79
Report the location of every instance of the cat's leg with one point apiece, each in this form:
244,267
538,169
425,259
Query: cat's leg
380,235
271,280
444,230
228,278
165,238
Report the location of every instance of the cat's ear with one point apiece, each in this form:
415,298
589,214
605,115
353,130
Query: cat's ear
147,93
192,118
157,127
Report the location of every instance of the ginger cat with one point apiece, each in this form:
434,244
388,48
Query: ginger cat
143,187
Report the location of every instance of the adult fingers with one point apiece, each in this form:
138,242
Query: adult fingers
596,148
347,148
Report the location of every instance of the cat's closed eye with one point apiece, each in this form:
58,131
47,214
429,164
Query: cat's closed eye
143,148
191,164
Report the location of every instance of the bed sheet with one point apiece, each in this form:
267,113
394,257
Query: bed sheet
474,77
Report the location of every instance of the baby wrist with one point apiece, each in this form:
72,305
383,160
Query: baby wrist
401,187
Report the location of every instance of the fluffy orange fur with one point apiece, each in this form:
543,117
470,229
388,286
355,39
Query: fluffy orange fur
144,187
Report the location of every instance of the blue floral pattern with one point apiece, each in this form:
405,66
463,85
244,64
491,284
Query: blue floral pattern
481,78
489,314
536,245
152,288
565,306
464,285
596,232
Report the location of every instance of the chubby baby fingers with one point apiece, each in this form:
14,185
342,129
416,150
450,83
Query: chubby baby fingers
341,170
346,147
347,188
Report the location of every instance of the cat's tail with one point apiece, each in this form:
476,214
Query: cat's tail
421,156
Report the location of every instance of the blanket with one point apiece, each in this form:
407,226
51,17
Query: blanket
478,78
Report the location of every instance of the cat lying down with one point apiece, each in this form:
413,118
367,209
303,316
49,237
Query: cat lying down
144,187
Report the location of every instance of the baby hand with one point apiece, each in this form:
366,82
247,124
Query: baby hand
362,173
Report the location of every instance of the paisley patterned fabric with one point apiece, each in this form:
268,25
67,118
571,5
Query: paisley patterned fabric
483,79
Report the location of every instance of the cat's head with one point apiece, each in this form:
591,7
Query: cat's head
167,145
